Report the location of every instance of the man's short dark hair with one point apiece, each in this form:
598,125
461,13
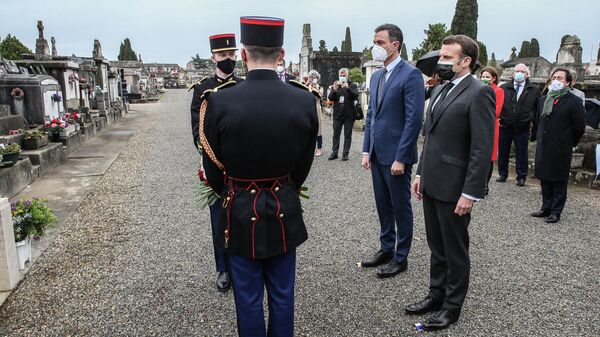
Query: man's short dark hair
468,46
394,32
263,54
568,74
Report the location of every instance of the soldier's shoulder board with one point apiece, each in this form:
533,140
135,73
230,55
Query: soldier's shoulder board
198,83
298,84
316,92
222,86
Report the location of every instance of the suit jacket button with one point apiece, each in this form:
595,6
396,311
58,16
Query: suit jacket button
253,219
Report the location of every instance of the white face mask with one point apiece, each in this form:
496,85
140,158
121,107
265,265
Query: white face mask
314,81
556,85
379,53
279,69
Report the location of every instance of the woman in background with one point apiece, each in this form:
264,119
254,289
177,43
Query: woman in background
313,84
489,76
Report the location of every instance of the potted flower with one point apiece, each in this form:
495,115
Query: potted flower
35,139
9,154
56,98
30,220
73,119
54,128
17,93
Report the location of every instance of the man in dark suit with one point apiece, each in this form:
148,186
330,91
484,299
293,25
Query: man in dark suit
451,176
258,141
343,94
282,73
392,127
561,125
516,120
223,48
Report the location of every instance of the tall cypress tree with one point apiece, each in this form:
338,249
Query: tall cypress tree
534,48
347,45
525,49
403,52
126,53
465,18
483,56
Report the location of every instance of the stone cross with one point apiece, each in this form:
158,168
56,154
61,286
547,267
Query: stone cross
53,41
40,27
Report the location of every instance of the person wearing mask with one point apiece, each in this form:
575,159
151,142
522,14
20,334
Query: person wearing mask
516,121
561,125
313,85
282,73
576,91
451,175
392,126
343,93
489,76
224,56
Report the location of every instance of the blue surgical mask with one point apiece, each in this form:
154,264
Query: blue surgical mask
519,77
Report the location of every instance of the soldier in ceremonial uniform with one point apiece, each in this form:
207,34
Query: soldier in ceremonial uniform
258,140
224,56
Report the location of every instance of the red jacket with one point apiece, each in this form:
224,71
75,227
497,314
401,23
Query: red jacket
499,102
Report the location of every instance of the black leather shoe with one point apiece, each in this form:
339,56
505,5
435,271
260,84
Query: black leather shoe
223,281
379,258
553,218
540,214
345,157
423,307
521,182
501,179
393,268
333,156
441,320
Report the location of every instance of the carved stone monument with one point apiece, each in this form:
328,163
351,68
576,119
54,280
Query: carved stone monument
97,53
569,55
41,45
53,41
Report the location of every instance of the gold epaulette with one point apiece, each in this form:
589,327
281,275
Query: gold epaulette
199,82
204,145
222,86
299,85
316,93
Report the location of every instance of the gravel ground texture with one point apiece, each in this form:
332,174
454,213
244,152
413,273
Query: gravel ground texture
135,259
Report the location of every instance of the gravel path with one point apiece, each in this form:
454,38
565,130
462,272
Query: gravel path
135,259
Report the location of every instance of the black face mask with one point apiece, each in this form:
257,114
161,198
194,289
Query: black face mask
445,71
227,65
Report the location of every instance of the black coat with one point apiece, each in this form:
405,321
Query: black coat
344,110
261,128
207,83
556,137
459,139
518,114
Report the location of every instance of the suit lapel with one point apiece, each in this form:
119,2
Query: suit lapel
464,84
390,79
434,96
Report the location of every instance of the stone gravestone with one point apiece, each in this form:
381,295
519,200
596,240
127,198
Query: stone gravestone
41,44
9,266
569,55
100,103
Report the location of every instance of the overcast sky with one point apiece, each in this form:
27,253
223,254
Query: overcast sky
172,31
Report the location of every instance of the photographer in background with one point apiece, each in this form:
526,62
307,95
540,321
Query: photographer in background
343,94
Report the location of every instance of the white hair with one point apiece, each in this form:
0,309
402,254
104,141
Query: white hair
314,73
523,65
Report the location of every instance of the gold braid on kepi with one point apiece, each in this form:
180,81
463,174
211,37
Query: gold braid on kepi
205,146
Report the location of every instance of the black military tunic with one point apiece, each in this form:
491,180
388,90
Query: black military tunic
207,83
263,132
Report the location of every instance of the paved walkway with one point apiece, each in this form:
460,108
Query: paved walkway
135,257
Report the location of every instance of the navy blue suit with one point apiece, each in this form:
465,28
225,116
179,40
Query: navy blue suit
391,131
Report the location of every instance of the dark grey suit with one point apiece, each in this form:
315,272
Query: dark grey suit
455,159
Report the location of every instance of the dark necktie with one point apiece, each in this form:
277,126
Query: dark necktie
443,95
381,86
517,88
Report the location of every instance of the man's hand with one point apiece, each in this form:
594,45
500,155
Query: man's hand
397,168
464,206
416,186
530,126
366,162
345,85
